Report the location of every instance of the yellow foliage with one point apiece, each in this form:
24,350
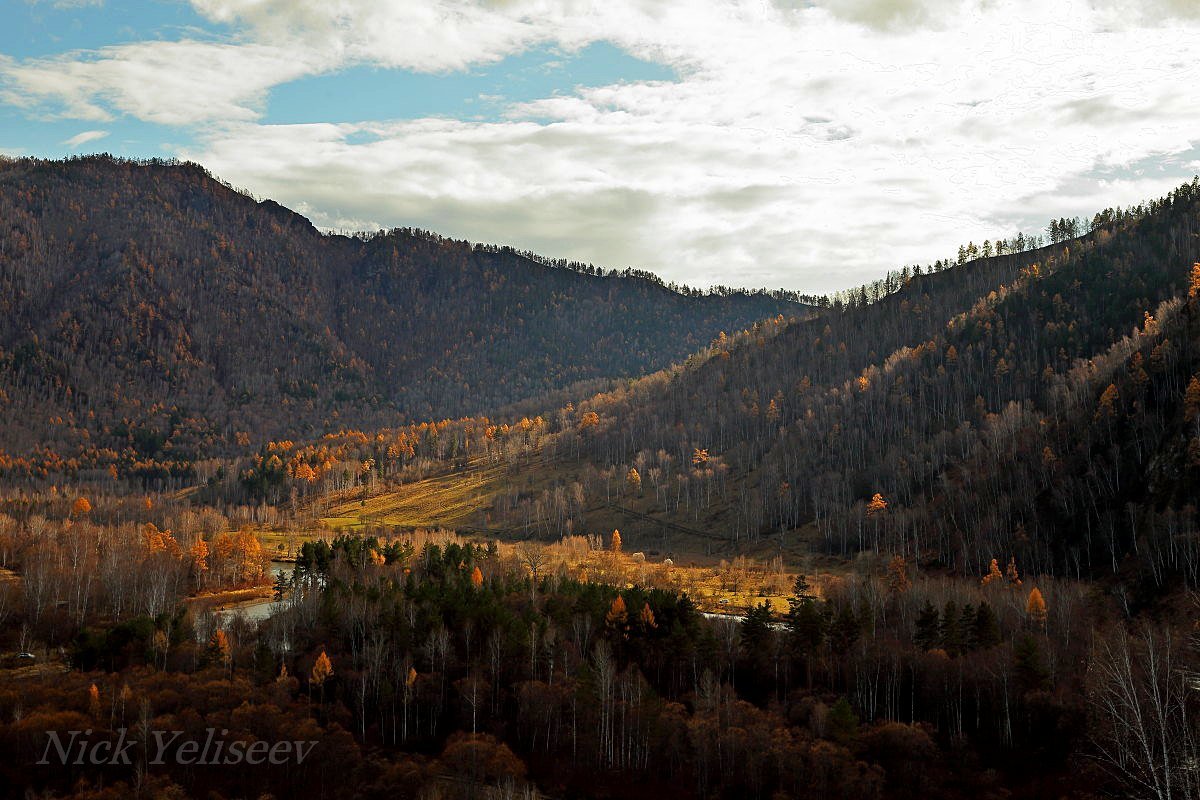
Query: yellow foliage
877,505
994,575
618,615
322,670
647,617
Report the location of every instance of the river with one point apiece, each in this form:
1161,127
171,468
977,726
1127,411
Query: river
260,609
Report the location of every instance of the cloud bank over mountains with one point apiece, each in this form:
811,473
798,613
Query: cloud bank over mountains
806,145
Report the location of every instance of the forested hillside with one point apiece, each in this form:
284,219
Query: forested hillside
153,315
1013,404
1033,404
972,488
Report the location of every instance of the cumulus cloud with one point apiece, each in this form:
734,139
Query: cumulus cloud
84,137
810,145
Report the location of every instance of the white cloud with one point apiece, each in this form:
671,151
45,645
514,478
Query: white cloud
806,145
172,83
84,137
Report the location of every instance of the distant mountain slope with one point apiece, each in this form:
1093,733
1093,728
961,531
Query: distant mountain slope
1042,406
1030,405
152,311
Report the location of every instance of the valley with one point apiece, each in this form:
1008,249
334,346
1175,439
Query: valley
932,537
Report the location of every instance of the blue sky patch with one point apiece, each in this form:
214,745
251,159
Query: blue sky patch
39,28
361,94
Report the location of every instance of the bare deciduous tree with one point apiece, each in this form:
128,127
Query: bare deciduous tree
1138,691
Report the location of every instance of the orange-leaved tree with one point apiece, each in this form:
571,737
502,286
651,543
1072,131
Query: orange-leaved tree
994,574
617,617
647,617
1191,399
1036,609
322,671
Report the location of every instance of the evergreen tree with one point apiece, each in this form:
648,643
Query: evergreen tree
1029,666
949,635
986,629
756,628
801,591
843,722
282,584
845,630
966,628
806,624
928,627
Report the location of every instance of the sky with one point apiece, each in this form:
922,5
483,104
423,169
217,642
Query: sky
776,143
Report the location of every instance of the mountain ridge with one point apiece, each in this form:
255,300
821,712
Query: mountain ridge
156,312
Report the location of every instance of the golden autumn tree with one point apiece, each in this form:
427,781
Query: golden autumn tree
1108,403
877,505
897,576
994,575
158,541
647,617
80,507
1194,282
477,577
1035,609
616,541
198,553
305,473
322,671
1191,399
250,562
634,481
617,617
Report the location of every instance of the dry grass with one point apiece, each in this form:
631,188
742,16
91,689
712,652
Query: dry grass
720,575
454,500
232,596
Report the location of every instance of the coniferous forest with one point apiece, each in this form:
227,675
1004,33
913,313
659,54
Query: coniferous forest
392,515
